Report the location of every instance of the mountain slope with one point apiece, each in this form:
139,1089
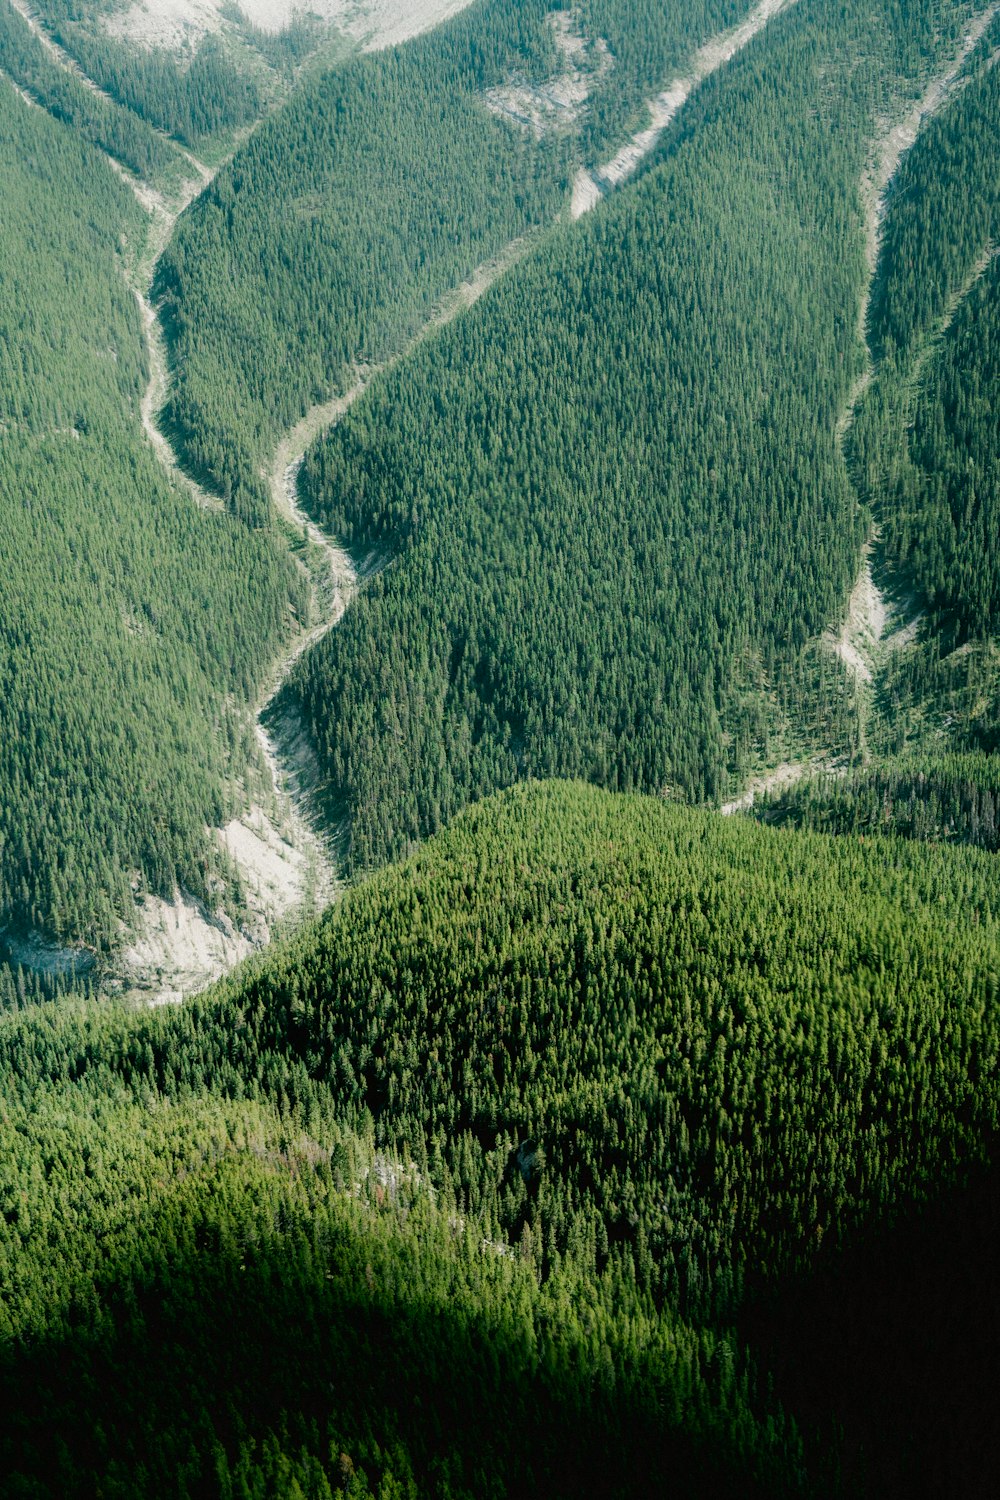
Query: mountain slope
379,189
614,496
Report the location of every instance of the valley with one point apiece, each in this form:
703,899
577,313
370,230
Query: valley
286,863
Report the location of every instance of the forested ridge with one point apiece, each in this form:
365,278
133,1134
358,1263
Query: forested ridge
923,450
933,488
189,98
490,1182
380,187
590,1143
98,120
649,43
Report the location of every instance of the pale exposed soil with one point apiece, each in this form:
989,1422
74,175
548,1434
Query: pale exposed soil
385,23
182,948
586,194
558,101
784,775
707,60
179,25
275,868
285,871
175,25
863,625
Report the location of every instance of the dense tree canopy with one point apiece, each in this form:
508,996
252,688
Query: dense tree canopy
186,97
478,1181
134,627
602,1146
924,445
113,129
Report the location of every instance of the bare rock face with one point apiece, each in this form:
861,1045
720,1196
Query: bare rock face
179,25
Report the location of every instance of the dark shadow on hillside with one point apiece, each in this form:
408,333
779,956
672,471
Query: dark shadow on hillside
224,1352
897,1344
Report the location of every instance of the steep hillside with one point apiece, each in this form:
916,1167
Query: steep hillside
614,496
202,92
135,629
507,1176
101,121
922,452
924,447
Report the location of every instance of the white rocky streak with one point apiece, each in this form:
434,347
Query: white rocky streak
662,109
861,630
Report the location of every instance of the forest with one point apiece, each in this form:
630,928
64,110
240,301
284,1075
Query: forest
100,121
951,798
380,187
191,98
510,1174
338,266
925,446
922,455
